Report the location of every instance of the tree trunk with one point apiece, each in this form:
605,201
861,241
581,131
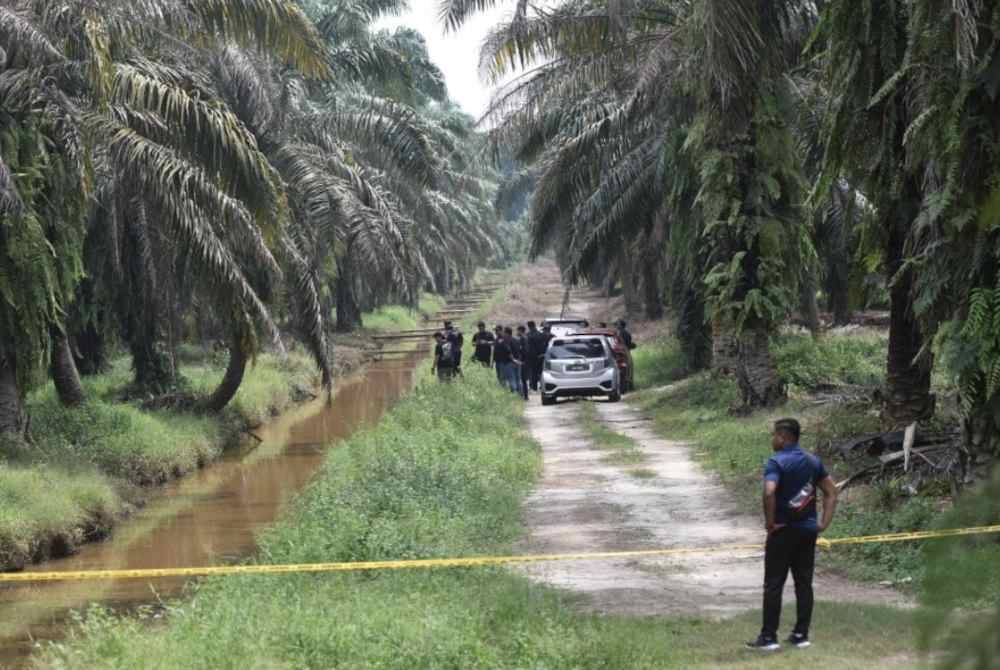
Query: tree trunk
90,353
12,417
839,301
348,311
64,372
756,374
231,381
981,428
154,366
633,304
725,349
651,289
808,304
908,379
694,333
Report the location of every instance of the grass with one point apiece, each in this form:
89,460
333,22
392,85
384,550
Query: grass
443,474
392,318
643,473
625,450
737,447
86,463
657,363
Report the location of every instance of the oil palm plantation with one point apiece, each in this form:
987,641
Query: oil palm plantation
608,89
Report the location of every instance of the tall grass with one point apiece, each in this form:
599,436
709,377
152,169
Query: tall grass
443,474
390,318
658,363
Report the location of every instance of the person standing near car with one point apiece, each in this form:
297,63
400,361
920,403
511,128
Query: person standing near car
537,343
523,357
482,343
792,478
624,335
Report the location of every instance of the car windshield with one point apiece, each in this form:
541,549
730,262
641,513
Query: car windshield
576,349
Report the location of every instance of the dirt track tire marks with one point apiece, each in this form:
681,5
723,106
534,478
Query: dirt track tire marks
583,504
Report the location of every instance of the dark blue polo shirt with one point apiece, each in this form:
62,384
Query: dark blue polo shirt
793,468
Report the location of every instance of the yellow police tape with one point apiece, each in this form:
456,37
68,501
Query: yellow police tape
461,562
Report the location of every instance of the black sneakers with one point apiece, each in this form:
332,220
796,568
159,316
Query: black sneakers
764,644
799,640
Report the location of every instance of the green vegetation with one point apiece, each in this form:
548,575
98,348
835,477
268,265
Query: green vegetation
658,362
699,409
443,474
81,472
625,450
390,318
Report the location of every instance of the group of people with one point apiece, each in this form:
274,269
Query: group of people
517,354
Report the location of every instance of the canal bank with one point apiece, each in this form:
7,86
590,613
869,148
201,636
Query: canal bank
211,516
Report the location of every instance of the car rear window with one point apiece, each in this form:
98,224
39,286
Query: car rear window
577,349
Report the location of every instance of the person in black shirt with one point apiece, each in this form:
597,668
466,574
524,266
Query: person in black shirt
455,338
503,359
444,360
624,335
537,345
523,357
483,343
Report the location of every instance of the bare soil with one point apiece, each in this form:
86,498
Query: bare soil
584,504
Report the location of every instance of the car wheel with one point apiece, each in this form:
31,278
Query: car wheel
548,400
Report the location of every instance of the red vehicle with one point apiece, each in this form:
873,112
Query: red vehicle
623,356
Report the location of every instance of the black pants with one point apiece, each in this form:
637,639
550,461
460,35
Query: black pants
536,371
525,378
788,549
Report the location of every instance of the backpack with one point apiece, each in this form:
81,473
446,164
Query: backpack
447,354
805,500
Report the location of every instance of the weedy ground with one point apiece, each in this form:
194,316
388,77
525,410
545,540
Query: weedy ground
696,408
443,474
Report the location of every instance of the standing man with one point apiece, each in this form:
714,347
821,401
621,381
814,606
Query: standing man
454,337
624,335
537,345
503,356
482,342
791,479
523,357
497,339
444,360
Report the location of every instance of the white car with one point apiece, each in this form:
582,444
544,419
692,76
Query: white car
580,366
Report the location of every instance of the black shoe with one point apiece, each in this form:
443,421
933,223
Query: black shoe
764,644
799,640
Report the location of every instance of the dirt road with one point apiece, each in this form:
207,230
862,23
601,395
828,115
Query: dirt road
585,504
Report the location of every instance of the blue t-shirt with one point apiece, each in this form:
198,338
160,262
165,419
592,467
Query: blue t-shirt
792,468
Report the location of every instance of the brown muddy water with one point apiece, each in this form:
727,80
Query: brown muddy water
211,517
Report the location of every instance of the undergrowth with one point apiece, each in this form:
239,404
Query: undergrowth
397,317
697,409
443,474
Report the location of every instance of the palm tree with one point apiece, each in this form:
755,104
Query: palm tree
611,88
174,174
954,242
865,55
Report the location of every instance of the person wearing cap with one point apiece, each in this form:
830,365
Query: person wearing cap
482,343
792,478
